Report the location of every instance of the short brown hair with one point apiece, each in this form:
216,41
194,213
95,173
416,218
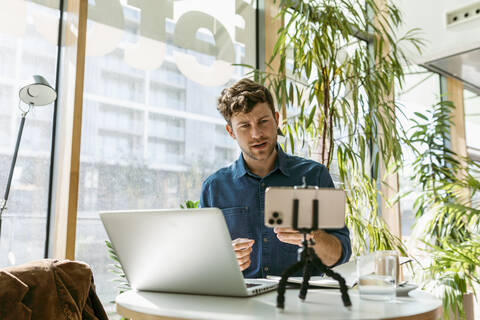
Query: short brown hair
242,97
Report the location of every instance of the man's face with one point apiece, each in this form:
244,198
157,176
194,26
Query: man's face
255,132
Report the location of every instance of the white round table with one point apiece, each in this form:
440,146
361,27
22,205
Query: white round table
319,304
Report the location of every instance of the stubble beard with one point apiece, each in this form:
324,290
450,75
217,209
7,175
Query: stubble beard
252,156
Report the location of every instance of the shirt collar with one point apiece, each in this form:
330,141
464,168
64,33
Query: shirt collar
240,168
280,163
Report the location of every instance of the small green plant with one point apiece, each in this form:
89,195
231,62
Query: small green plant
189,204
116,268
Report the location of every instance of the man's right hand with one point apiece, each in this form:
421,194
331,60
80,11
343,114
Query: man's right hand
243,248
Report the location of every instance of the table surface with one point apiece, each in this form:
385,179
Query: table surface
319,304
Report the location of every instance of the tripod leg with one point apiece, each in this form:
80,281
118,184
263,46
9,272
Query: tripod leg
343,287
307,271
283,282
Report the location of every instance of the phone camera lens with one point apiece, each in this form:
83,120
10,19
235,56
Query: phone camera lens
271,221
275,214
279,221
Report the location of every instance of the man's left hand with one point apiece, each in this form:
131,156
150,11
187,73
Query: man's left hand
291,236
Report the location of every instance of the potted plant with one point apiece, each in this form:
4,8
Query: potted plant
448,221
339,61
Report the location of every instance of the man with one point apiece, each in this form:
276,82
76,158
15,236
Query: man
239,189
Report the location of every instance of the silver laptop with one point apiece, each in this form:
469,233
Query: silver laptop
184,251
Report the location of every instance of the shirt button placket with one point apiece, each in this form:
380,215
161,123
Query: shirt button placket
262,195
265,254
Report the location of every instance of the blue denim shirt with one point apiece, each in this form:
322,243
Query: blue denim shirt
240,195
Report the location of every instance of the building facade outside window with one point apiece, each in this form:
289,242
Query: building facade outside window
28,46
151,132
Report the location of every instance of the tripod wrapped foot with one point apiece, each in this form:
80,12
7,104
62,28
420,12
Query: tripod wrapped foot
283,283
343,287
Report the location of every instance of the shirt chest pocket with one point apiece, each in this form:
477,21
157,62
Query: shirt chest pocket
238,222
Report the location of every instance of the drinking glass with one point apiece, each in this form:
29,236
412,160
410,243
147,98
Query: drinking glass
377,275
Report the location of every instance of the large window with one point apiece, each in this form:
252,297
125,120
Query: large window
151,132
472,123
28,46
472,132
420,92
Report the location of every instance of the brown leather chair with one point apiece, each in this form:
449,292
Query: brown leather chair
49,289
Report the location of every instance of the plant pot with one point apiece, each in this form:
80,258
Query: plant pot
468,303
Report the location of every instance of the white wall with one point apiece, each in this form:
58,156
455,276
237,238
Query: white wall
441,41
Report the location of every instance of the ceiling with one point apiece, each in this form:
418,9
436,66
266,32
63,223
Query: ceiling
464,66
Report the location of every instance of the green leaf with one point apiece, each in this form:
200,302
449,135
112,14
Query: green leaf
290,136
310,117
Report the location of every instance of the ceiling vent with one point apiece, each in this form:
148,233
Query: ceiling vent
465,14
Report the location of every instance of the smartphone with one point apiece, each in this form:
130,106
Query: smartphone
327,204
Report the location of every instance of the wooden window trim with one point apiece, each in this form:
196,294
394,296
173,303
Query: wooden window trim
69,120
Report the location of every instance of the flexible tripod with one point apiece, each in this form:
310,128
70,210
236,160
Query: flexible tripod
308,259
